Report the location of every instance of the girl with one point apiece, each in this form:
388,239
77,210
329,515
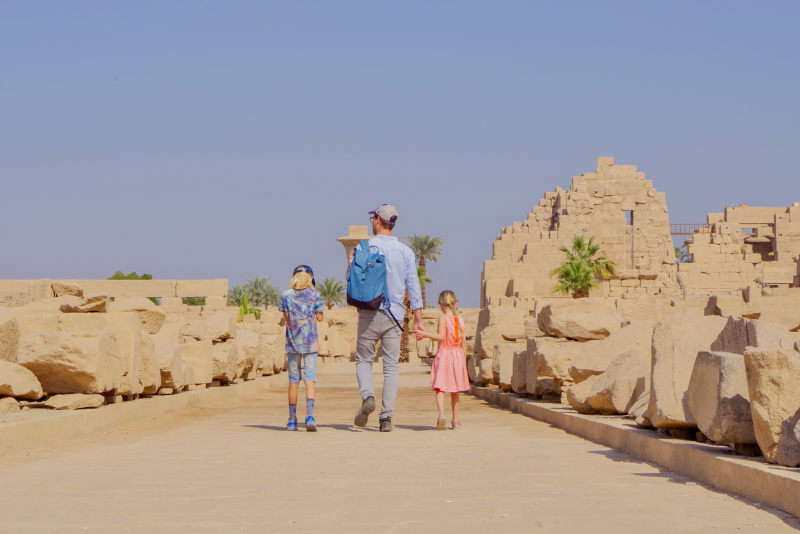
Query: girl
301,305
449,371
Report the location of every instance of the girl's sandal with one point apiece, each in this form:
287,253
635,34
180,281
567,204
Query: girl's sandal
456,424
441,423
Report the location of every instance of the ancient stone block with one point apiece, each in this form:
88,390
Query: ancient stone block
719,399
170,365
73,362
485,373
772,379
9,405
149,314
578,395
200,356
676,342
17,381
788,450
88,304
520,367
9,336
226,360
582,326
503,364
151,368
74,401
621,384
62,289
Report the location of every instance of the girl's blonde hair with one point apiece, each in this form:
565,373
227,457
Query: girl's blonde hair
300,280
447,299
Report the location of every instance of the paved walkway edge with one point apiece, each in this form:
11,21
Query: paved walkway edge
752,478
27,435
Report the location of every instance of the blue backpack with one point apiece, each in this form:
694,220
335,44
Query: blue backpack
366,282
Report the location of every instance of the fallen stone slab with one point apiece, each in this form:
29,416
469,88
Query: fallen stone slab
640,410
61,289
595,360
9,405
225,361
217,327
740,333
772,381
619,387
719,399
485,373
89,304
552,357
503,364
73,362
170,365
17,381
200,357
9,336
520,368
149,314
151,368
74,401
676,342
582,326
248,346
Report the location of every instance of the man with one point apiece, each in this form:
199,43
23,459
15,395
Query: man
374,325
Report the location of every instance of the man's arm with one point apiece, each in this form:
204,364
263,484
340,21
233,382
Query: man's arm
414,293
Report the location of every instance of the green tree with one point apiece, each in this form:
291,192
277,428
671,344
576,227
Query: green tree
682,255
426,248
132,276
332,291
235,295
579,273
261,292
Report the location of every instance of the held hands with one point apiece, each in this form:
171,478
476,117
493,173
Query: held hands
419,331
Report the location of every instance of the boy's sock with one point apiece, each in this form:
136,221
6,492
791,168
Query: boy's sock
310,407
293,412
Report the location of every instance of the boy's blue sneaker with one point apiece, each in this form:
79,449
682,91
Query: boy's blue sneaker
311,424
291,425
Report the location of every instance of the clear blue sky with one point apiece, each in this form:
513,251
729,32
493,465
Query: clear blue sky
232,139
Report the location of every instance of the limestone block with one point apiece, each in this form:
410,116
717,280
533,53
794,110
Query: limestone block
74,401
622,383
88,304
248,346
215,303
73,362
170,333
188,371
719,399
40,290
151,369
268,355
62,289
565,306
491,320
582,326
788,450
520,368
17,381
46,306
772,379
200,356
149,314
676,342
9,336
277,348
741,333
578,395
473,368
595,360
551,358
485,375
339,346
128,333
503,364
170,364
9,405
216,327
226,361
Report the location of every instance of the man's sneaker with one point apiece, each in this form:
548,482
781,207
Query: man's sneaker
386,425
311,425
367,407
291,425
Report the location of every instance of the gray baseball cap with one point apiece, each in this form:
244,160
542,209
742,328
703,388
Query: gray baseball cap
385,212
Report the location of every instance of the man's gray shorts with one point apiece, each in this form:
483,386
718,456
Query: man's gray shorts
374,326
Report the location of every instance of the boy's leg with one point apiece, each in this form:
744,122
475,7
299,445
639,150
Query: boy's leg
310,368
390,352
294,381
368,336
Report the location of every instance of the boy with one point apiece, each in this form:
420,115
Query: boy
301,304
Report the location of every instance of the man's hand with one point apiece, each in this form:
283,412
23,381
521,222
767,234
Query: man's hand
418,326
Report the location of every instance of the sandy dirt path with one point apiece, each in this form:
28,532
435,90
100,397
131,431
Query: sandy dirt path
233,468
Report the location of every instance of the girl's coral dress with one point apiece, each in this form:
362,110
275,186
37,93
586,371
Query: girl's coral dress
449,370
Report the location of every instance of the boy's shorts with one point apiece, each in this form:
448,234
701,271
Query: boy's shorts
309,367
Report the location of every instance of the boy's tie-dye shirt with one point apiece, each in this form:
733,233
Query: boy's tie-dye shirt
301,306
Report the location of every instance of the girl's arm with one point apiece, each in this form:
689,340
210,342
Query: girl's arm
439,336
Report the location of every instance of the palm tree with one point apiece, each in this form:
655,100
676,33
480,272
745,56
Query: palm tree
235,295
426,248
578,274
261,292
332,291
404,338
682,255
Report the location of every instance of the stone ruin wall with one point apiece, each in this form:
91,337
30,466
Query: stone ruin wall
740,248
